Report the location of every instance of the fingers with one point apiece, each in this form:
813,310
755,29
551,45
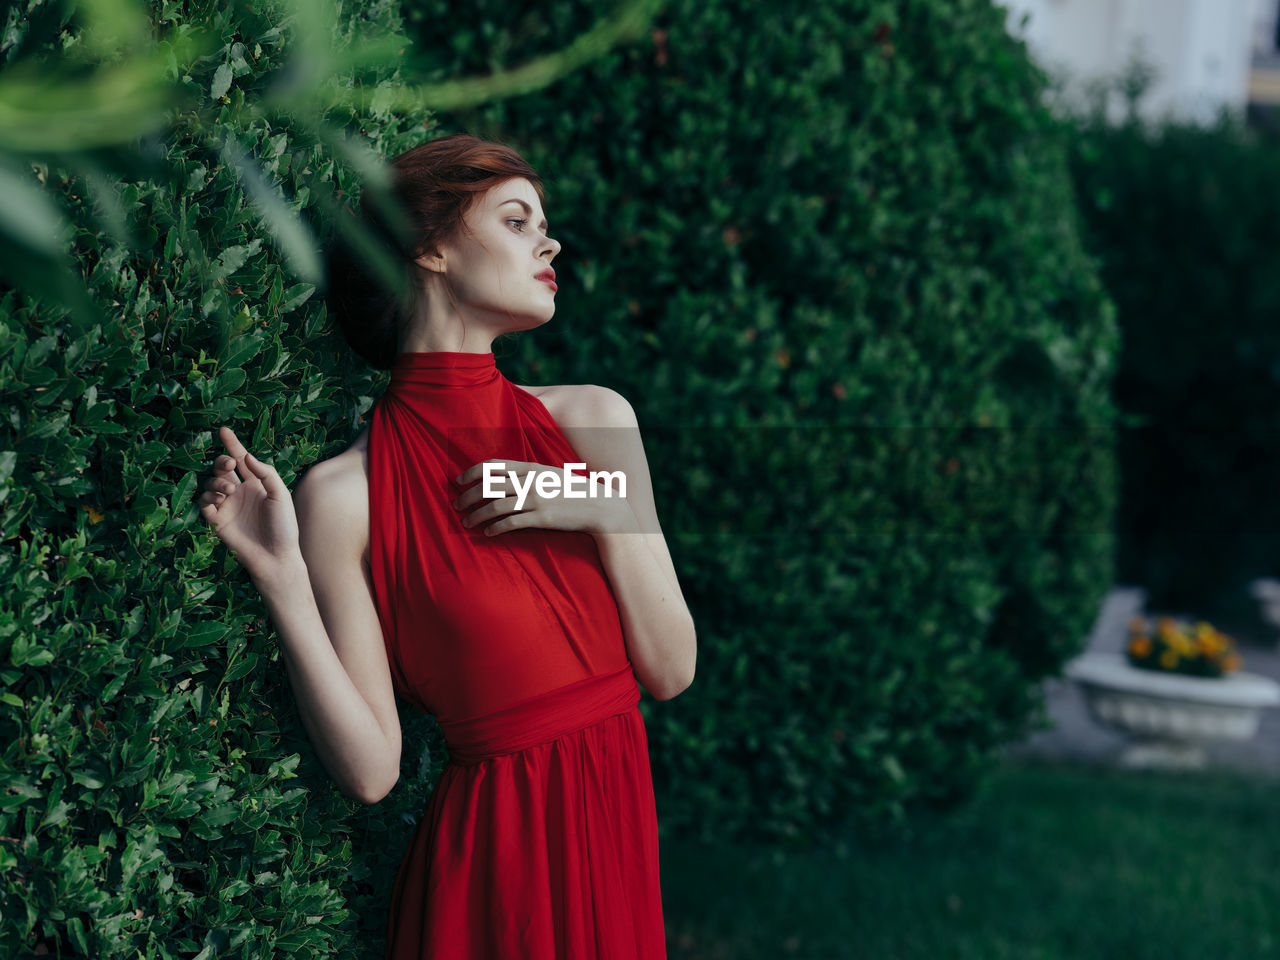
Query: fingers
518,479
476,470
224,466
492,509
232,442
211,502
475,493
512,518
498,508
472,478
267,474
247,463
215,490
225,480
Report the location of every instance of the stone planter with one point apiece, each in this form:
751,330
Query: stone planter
1170,717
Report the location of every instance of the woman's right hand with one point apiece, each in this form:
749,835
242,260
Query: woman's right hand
252,513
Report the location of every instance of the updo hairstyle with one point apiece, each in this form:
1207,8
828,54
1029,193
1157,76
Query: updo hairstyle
433,186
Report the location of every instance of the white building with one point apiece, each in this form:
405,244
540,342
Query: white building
1264,80
1202,52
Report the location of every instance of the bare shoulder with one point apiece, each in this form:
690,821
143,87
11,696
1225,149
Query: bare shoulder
585,405
341,483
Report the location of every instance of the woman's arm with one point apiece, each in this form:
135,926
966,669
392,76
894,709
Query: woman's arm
320,601
332,643
360,751
660,633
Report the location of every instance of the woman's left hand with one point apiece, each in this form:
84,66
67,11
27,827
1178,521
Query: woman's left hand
593,513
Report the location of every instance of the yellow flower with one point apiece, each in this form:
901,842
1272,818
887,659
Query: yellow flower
1212,644
1169,659
1179,642
1140,646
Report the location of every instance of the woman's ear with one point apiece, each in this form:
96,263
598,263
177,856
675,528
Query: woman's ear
433,261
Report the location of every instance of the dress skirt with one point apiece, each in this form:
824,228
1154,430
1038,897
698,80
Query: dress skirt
539,842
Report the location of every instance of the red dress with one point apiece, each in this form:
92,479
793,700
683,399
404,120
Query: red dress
540,840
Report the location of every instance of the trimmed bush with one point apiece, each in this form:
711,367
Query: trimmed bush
1184,221
831,256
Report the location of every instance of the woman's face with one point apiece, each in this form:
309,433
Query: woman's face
494,263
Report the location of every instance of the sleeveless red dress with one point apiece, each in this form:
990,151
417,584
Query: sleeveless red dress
540,840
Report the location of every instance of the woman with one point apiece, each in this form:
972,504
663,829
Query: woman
522,626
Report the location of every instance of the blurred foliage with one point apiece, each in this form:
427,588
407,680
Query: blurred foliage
159,797
97,101
1183,220
831,256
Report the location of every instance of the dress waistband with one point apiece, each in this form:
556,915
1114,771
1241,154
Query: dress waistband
539,719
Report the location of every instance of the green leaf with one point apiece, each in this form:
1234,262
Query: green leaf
221,81
26,652
241,668
55,814
27,214
182,494
75,928
296,296
229,382
87,779
240,350
233,258
291,235
204,633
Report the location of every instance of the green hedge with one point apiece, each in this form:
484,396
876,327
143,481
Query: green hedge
1185,221
831,255
160,798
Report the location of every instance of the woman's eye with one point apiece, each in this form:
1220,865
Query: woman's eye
519,221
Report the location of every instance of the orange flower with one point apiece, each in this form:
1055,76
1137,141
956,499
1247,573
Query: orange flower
1175,640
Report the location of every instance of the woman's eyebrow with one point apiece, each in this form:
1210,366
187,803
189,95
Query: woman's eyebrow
527,209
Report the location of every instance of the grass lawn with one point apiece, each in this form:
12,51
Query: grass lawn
1053,862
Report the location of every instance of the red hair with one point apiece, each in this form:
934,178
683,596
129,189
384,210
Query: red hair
433,186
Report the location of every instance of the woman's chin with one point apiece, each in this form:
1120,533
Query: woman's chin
516,322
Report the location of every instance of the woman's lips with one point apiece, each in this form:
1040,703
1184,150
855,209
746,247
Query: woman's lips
549,282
